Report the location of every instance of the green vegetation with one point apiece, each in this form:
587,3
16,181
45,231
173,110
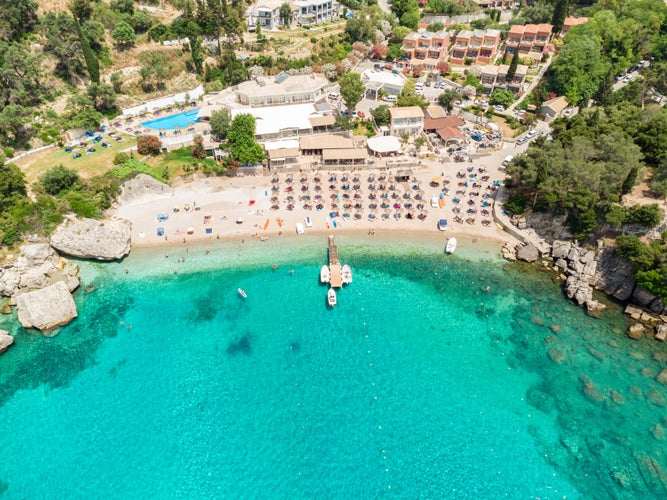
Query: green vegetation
241,138
649,261
351,89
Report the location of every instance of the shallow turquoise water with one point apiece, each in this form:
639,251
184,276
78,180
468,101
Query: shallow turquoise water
180,120
419,384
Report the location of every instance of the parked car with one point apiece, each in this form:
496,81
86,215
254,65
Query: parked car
522,140
499,107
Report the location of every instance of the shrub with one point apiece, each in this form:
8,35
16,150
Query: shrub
516,203
59,179
120,158
149,145
646,215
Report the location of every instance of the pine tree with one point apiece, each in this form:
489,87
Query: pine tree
92,63
560,13
513,65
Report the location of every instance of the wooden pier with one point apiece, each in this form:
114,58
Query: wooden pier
336,280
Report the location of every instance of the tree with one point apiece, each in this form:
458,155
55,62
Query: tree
103,98
13,131
58,179
381,115
149,145
241,138
351,89
448,98
12,185
220,122
81,10
197,149
17,18
513,66
124,35
285,13
64,44
502,97
560,13
21,76
539,12
87,118
379,51
116,80
154,71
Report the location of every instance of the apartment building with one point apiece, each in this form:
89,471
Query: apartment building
426,49
266,13
479,46
315,11
406,120
529,38
495,77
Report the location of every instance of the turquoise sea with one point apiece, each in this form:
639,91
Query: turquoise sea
419,384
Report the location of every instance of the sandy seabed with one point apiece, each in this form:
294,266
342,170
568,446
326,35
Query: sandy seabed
269,207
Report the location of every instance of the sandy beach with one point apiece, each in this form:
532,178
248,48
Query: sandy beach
366,201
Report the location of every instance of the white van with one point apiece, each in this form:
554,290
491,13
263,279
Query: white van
389,98
507,160
334,96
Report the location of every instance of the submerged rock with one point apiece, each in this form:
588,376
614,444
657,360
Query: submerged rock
556,355
662,376
616,397
661,332
5,340
93,239
656,397
636,331
46,308
658,432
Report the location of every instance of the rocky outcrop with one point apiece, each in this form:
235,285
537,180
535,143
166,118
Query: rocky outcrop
5,340
93,239
579,265
46,308
141,186
528,253
37,266
614,275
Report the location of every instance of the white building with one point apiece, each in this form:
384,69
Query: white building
266,13
381,80
315,11
281,90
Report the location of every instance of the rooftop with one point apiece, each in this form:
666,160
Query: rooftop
325,141
558,104
290,85
383,77
406,112
275,118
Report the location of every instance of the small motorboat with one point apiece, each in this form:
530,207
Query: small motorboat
242,293
451,245
346,274
331,297
325,274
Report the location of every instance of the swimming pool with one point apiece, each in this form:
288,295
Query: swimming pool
180,120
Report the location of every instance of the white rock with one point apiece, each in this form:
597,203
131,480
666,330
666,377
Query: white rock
5,340
93,239
46,308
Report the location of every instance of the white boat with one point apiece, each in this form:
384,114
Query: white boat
309,223
434,201
299,228
451,245
331,297
346,274
242,293
325,274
